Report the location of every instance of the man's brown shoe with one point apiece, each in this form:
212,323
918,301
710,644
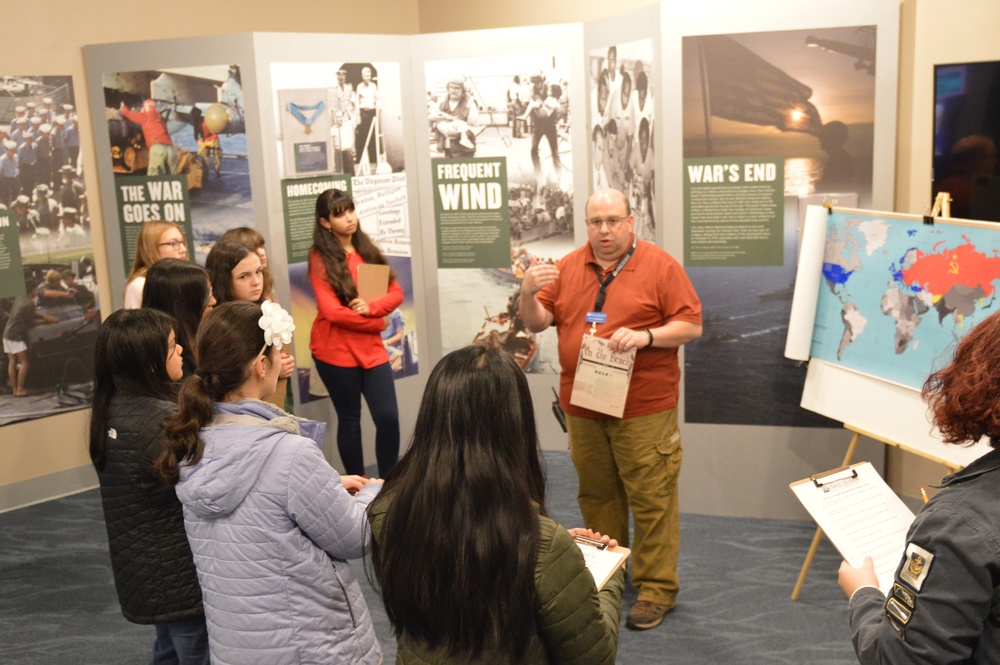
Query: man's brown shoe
646,614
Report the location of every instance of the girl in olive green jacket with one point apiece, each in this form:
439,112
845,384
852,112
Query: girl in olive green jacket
470,568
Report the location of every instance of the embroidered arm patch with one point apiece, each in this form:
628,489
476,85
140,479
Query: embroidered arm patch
916,567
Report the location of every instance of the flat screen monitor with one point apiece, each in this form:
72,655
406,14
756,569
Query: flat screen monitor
966,134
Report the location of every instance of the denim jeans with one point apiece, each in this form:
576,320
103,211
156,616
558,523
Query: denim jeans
346,385
181,642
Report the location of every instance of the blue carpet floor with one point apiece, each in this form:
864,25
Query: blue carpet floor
58,604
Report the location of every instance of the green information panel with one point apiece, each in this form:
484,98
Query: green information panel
734,211
298,201
11,272
144,199
470,207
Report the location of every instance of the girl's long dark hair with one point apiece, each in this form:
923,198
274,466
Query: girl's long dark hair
180,289
130,358
222,259
229,339
333,203
455,559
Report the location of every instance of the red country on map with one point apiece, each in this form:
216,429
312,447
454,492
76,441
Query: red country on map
960,275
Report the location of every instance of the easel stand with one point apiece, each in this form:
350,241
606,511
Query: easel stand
851,447
848,457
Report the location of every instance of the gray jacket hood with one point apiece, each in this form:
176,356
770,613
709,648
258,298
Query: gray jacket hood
237,443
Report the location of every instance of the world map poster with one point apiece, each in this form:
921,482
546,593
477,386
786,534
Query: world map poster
896,294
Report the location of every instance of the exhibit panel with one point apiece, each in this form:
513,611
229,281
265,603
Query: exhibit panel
505,194
624,69
361,150
363,146
49,309
503,201
737,170
772,110
176,140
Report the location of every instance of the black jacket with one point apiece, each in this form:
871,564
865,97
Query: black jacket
150,557
945,603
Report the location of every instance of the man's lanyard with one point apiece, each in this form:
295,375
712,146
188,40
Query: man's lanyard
602,292
597,316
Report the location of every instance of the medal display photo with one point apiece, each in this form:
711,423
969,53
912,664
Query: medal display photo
305,131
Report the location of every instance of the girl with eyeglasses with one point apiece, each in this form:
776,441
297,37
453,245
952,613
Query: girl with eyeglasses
157,240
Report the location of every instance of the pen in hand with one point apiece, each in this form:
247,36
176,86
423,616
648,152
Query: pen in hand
593,542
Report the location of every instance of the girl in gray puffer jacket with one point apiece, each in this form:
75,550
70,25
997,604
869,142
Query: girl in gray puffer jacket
270,522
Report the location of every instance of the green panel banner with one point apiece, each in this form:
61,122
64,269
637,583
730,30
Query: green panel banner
11,271
144,199
298,201
470,207
735,211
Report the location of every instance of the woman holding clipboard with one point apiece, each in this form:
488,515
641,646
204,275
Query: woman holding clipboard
469,566
943,607
346,338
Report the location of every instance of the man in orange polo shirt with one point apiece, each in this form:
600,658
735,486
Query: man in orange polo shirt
637,297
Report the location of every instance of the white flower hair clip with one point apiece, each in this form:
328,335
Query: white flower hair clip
277,325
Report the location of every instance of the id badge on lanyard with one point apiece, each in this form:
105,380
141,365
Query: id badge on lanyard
593,318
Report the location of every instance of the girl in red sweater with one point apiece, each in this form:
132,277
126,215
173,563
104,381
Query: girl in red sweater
346,339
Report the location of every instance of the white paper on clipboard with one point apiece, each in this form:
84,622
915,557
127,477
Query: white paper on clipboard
602,563
860,515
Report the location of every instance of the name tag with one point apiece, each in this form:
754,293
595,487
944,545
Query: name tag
596,317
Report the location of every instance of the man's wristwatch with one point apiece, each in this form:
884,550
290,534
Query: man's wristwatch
648,332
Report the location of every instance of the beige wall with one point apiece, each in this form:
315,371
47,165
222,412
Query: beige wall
476,14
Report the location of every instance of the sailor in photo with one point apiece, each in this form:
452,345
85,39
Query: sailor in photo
9,172
27,160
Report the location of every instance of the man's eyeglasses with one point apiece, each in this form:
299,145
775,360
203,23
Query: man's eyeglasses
612,222
173,244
